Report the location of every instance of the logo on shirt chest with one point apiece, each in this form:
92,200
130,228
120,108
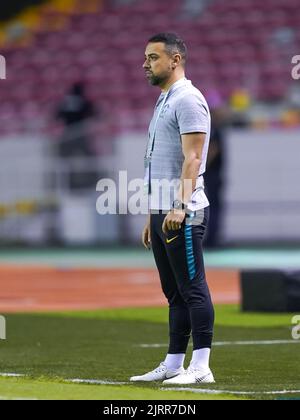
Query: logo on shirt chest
164,111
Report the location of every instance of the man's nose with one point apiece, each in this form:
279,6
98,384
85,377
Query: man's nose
146,64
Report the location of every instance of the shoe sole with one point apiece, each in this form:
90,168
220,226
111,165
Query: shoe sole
153,380
209,379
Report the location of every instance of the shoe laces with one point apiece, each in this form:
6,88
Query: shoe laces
191,370
160,368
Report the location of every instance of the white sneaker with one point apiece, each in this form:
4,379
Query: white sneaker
158,374
192,376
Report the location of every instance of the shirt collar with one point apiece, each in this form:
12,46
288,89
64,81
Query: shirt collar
179,83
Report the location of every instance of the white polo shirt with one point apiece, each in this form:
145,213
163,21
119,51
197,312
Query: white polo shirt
181,110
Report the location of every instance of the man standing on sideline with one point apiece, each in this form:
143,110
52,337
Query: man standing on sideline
177,150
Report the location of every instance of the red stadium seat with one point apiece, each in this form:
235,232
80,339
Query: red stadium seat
230,42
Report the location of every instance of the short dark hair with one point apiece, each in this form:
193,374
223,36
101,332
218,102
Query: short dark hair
174,44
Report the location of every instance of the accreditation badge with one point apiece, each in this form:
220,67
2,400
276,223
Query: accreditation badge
147,165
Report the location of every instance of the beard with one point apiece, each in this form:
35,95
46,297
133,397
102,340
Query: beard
157,80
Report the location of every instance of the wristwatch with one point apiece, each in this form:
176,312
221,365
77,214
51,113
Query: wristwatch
178,205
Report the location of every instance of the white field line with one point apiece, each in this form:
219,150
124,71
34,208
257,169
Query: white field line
75,381
195,390
11,375
233,343
255,343
3,398
224,391
95,382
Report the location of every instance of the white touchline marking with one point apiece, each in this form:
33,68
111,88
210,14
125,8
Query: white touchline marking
202,391
11,375
17,398
255,343
75,381
195,390
224,391
233,343
95,381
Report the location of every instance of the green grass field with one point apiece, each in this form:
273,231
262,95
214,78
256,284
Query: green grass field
53,349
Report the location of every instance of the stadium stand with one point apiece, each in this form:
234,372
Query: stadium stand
233,44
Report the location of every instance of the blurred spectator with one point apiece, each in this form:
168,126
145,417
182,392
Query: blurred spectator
240,102
75,111
214,175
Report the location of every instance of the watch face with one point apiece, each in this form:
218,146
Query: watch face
177,204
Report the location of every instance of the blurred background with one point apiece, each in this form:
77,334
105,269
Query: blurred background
75,107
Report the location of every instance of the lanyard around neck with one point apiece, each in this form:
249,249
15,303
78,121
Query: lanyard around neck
152,138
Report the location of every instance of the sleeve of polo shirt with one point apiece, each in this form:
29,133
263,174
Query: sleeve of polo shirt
192,117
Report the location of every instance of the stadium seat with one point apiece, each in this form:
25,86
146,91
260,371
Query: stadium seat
228,41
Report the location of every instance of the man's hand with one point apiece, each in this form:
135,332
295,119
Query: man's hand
173,220
146,236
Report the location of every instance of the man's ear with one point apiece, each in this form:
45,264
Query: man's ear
176,60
